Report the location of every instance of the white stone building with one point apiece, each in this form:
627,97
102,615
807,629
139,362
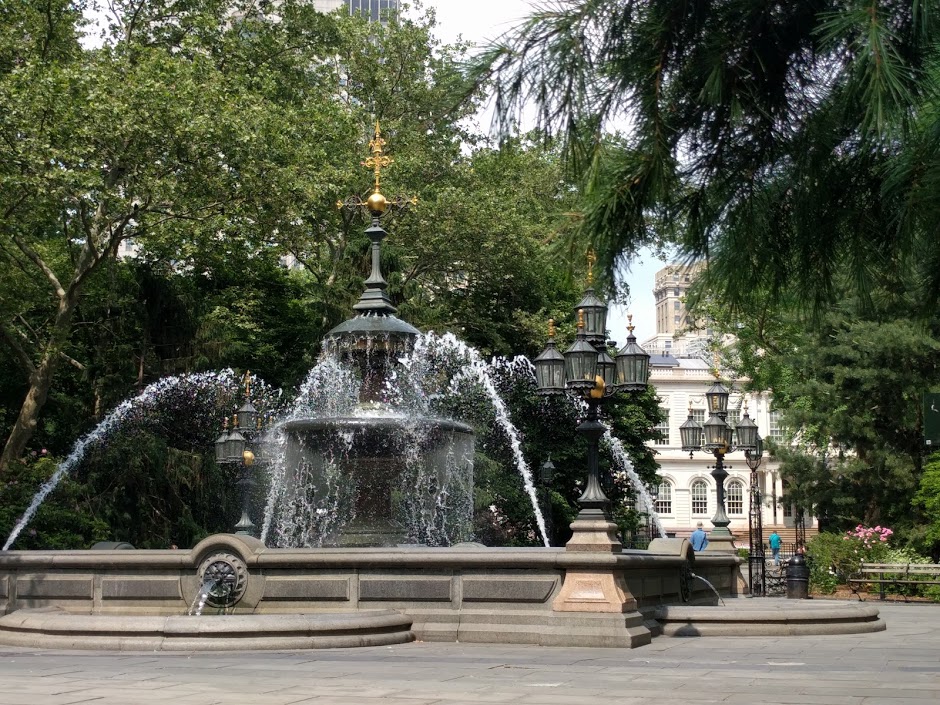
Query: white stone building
681,376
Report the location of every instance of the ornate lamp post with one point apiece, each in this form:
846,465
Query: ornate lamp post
718,440
233,447
587,370
756,566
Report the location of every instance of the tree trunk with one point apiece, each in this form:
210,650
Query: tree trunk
40,381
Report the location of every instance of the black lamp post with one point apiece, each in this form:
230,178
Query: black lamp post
756,566
718,440
233,447
546,474
587,370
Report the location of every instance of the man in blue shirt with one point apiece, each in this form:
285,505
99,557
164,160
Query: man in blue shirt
698,539
775,547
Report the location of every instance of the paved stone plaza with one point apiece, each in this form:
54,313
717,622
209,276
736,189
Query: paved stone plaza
900,666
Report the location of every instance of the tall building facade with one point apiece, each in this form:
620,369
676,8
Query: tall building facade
374,10
681,373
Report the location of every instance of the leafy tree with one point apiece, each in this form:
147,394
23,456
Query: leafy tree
927,501
793,144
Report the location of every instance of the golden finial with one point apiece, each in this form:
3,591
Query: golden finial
235,420
716,372
592,260
248,458
551,328
247,381
580,319
630,325
378,160
225,424
377,204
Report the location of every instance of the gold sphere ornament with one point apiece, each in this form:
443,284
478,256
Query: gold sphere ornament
377,203
249,458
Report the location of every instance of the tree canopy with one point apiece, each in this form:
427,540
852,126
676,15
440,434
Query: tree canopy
155,182
793,144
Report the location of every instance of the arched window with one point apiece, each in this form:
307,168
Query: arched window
664,498
699,497
734,497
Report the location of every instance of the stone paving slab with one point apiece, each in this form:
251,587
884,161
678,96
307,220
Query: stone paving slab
900,666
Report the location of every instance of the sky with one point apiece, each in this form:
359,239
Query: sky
480,20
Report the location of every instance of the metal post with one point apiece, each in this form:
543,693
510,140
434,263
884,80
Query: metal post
756,561
799,525
720,521
593,501
245,526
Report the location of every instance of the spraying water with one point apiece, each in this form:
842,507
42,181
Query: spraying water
478,372
626,465
205,383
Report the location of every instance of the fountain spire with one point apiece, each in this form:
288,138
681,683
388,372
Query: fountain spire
374,299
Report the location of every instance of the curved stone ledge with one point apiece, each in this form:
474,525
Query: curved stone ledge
784,618
53,629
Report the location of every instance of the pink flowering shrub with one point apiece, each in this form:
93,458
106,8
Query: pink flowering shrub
870,544
870,537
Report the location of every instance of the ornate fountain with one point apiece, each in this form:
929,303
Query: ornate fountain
383,472
371,465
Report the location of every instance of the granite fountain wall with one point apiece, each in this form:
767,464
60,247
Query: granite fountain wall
462,593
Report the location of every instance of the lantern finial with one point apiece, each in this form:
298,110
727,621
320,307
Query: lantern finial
551,328
248,383
592,260
630,325
580,320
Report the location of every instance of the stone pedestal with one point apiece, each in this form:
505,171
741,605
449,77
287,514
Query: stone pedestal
599,593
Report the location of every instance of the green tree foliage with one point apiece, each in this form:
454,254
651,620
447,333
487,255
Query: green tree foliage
794,144
927,501
849,390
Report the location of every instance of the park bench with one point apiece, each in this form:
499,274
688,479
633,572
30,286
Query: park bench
882,574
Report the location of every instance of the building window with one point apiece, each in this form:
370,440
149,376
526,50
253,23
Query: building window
664,498
662,428
677,319
734,497
667,344
776,428
784,502
698,416
677,305
699,497
678,292
734,415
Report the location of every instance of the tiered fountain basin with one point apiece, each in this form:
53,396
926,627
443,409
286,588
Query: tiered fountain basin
332,597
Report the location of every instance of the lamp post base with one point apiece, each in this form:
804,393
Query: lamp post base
720,540
593,531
